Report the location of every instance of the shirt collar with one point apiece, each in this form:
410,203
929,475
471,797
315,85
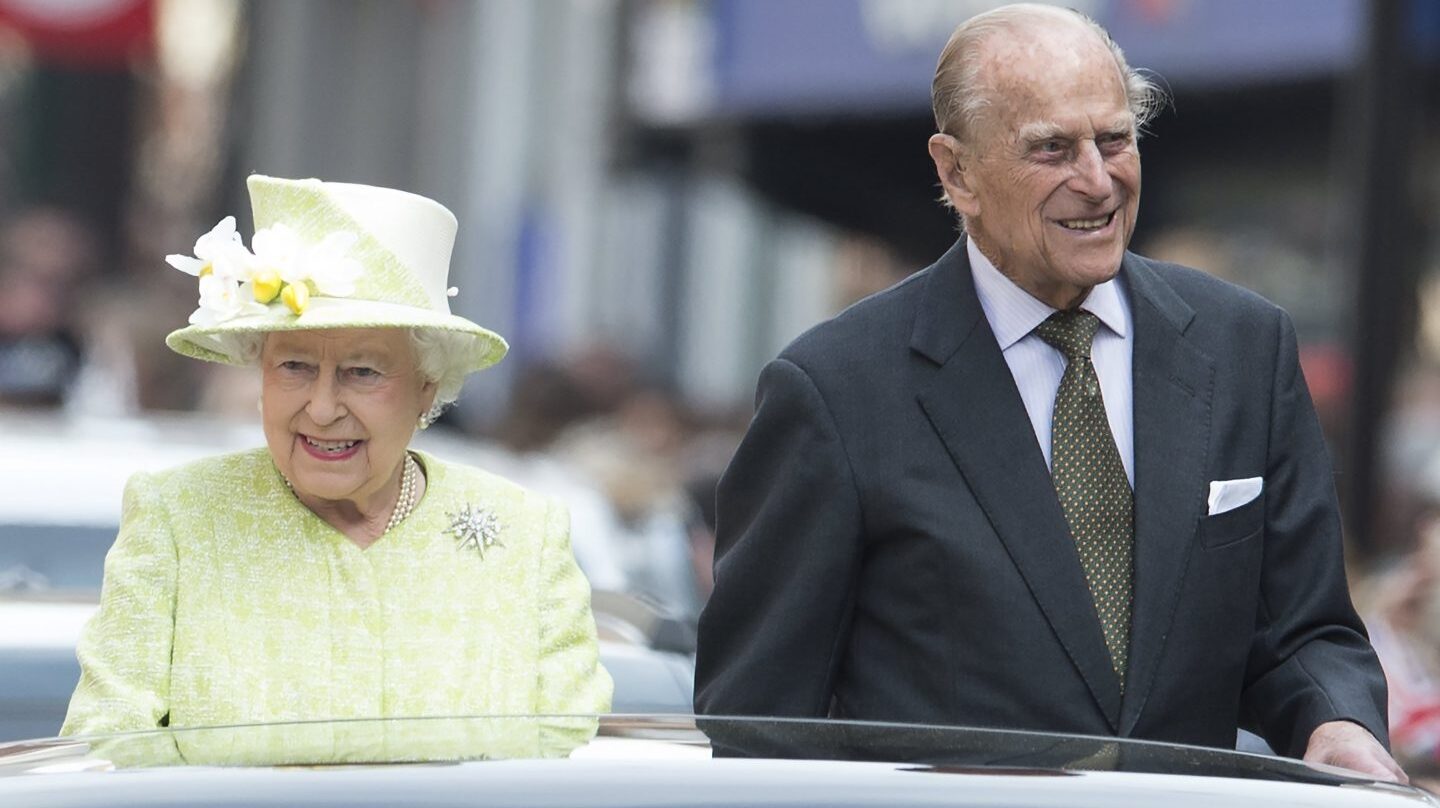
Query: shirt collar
1013,313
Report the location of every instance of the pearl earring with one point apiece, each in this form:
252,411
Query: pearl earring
429,416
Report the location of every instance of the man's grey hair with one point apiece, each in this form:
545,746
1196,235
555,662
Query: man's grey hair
958,97
441,357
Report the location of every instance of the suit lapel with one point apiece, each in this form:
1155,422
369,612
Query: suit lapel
973,403
1173,381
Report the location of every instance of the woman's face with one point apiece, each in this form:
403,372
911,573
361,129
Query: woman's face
339,407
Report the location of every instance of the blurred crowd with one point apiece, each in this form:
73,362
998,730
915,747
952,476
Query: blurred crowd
45,256
655,460
75,332
1399,597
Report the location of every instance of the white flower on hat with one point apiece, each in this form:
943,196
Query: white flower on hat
329,267
221,299
220,262
283,268
277,245
283,261
272,265
219,251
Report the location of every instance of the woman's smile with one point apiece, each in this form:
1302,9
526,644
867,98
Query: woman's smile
329,450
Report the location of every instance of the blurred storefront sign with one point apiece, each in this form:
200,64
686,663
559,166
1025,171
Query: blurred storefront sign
84,34
741,57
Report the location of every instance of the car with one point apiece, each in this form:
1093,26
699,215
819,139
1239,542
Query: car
661,760
63,479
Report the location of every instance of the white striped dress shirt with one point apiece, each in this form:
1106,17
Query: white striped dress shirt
1037,366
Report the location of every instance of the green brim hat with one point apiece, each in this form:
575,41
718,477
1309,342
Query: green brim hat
327,255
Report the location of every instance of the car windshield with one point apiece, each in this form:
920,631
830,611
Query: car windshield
429,740
53,558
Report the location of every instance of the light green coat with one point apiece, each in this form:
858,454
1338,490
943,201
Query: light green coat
227,601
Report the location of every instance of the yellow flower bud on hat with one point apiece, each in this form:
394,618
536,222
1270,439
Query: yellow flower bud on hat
296,296
266,285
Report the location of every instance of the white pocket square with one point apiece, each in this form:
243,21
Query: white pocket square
1227,495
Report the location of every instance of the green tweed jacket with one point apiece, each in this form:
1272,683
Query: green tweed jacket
226,601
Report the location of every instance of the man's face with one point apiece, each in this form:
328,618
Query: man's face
1052,167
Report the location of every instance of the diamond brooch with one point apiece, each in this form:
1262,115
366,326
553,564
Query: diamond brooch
476,527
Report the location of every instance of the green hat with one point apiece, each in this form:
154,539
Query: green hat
327,255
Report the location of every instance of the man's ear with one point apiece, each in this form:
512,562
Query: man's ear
951,164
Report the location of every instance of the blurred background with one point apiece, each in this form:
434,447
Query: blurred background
656,195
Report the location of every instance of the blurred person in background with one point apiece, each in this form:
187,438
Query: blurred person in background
123,374
946,508
545,400
335,573
45,254
700,525
864,266
592,418
706,456
633,454
1402,612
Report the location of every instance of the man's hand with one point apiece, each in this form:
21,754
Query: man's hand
1347,744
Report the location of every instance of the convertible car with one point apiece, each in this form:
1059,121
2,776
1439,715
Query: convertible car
674,761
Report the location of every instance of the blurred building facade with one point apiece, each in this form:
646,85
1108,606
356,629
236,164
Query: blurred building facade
682,178
513,114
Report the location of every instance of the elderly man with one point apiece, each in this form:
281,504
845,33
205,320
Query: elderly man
1045,483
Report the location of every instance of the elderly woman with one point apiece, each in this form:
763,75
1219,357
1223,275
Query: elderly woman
336,573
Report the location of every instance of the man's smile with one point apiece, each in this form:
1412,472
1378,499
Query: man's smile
1088,225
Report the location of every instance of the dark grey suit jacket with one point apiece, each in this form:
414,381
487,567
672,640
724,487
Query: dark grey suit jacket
891,547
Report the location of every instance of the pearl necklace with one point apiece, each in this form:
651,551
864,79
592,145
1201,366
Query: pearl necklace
404,504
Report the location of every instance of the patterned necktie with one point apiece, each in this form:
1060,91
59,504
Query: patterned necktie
1090,480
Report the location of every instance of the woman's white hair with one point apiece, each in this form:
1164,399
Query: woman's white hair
440,356
443,357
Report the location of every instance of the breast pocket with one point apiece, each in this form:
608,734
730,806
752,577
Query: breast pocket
1233,526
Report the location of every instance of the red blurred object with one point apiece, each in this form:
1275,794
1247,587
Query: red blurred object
84,34
1155,12
1328,372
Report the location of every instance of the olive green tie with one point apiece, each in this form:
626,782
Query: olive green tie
1090,479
